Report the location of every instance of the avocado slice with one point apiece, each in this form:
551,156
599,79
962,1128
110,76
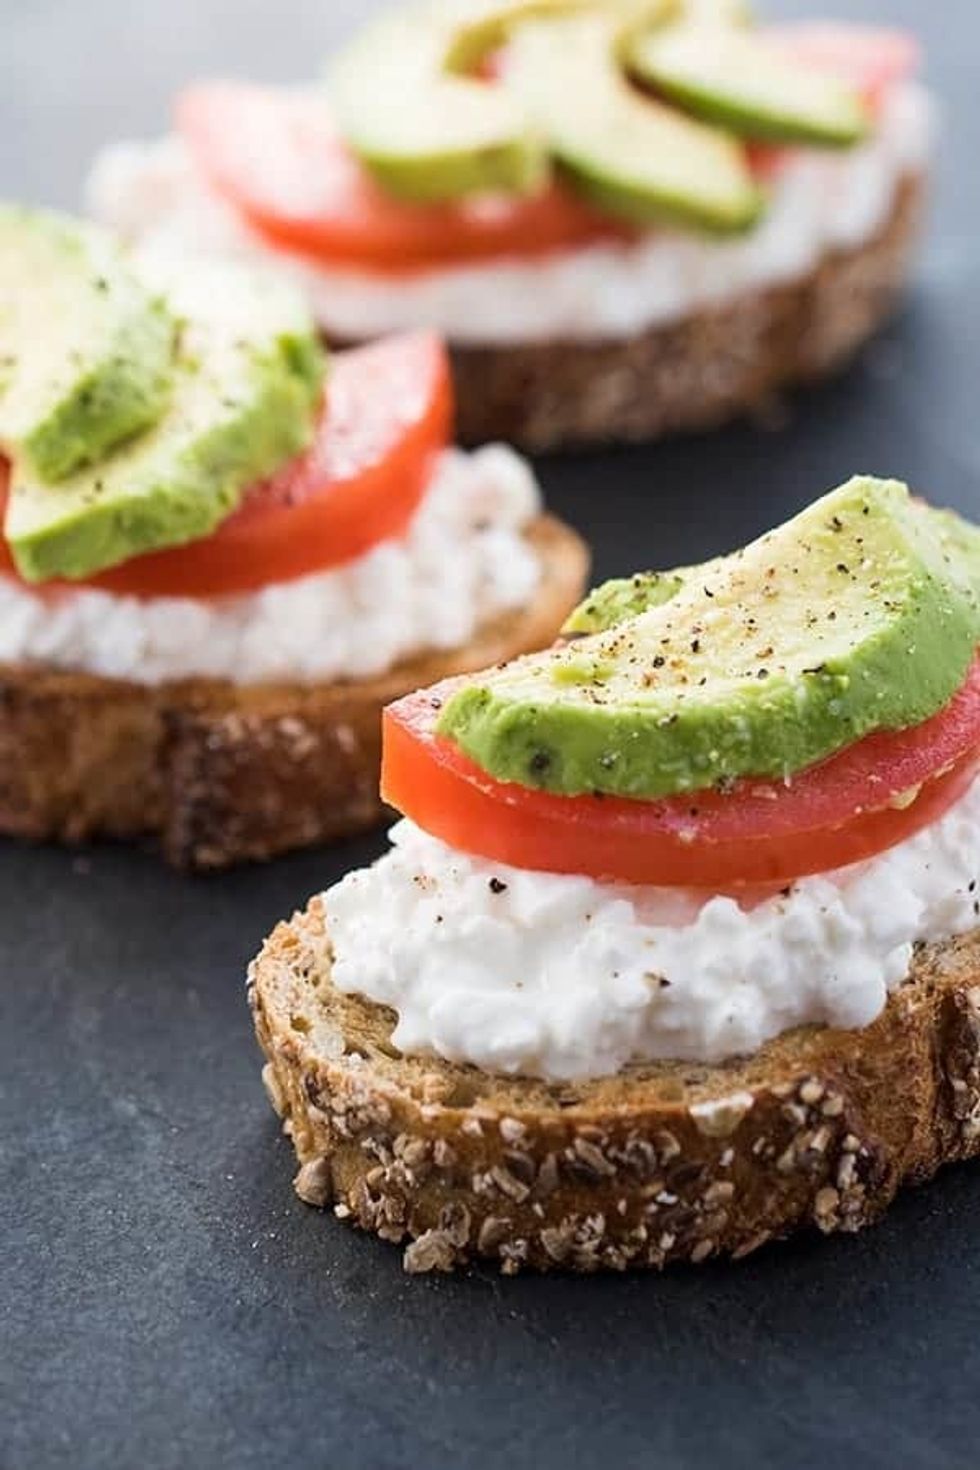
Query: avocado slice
635,157
725,12
426,130
85,346
247,387
730,77
860,614
622,598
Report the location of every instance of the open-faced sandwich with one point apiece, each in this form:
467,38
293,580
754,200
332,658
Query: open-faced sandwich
627,216
677,948
222,556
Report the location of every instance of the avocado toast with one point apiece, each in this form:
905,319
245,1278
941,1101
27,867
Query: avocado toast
675,951
627,219
222,553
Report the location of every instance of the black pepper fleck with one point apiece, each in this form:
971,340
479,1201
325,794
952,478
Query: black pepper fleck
540,762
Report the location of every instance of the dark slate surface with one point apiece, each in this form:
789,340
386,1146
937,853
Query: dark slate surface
164,1300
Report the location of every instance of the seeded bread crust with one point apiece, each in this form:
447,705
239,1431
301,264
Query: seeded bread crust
719,364
660,1163
221,773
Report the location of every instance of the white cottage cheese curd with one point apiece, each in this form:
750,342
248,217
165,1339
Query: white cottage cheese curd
566,977
153,194
463,560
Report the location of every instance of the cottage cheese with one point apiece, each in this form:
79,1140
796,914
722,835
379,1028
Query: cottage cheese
564,977
153,193
464,559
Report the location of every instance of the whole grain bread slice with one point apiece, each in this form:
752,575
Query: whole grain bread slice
659,1163
716,364
221,773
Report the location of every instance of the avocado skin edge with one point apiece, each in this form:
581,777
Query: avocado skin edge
746,123
836,119
637,206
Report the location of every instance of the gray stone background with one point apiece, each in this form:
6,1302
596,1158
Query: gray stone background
74,73
164,1301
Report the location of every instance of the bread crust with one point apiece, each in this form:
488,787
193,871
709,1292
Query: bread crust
718,364
222,773
660,1163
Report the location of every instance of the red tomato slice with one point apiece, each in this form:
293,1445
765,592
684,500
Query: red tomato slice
276,156
388,414
870,58
851,806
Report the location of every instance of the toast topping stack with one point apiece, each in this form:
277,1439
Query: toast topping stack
685,803
142,421
590,1021
217,562
645,107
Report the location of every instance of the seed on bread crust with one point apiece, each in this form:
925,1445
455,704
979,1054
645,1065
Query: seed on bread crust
620,1171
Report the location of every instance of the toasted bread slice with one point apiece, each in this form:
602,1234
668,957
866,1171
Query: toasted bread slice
660,1163
222,773
715,365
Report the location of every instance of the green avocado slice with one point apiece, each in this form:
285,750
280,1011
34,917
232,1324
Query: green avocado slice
633,156
622,598
730,77
426,130
247,387
860,614
85,346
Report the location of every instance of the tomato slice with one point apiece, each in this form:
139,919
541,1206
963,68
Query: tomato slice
870,58
388,415
278,159
276,156
855,804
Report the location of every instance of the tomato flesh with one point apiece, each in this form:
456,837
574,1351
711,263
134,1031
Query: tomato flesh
278,159
387,415
855,804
